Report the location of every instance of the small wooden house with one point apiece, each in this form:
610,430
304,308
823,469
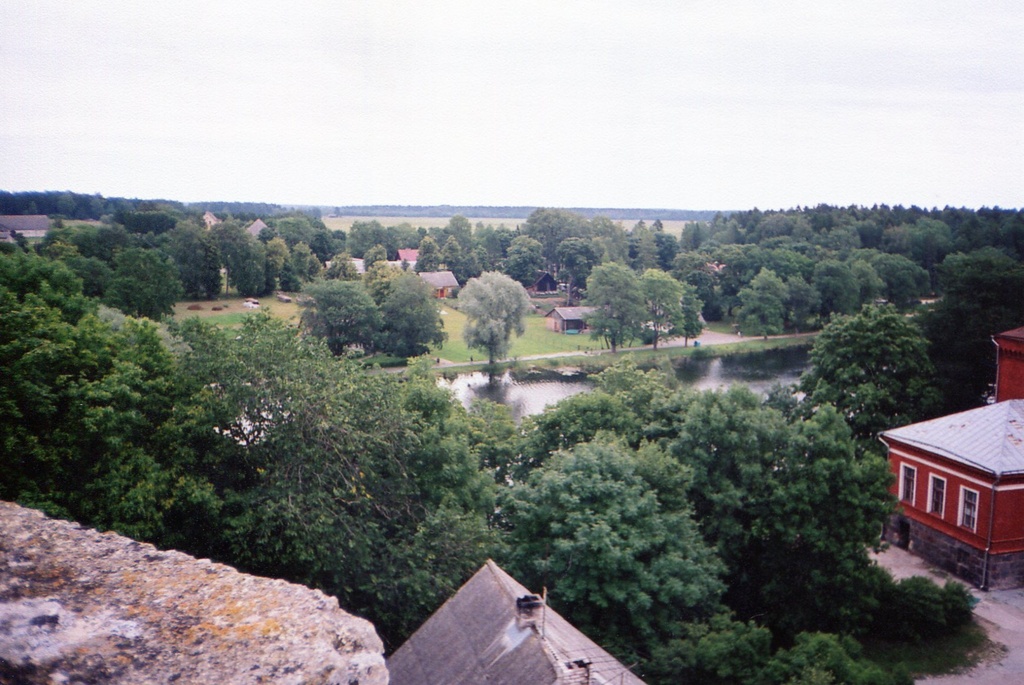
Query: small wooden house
443,282
495,631
568,320
544,283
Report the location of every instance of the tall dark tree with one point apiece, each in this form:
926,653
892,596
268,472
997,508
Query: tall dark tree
411,321
144,283
873,367
342,313
614,291
195,253
983,294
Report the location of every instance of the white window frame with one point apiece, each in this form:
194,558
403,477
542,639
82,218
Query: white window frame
931,495
963,508
903,483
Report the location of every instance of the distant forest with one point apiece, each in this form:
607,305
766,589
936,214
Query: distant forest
82,206
520,212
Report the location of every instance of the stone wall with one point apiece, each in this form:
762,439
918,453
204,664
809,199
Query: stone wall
79,606
968,563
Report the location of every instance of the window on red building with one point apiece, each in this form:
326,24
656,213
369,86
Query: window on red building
969,508
908,479
937,501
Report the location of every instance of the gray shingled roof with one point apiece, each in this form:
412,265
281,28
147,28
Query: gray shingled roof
990,438
572,313
476,637
440,279
29,225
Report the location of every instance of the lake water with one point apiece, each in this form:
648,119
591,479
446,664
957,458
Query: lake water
529,392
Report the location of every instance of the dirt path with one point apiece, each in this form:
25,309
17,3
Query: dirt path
1000,612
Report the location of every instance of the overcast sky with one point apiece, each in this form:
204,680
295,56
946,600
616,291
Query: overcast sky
674,104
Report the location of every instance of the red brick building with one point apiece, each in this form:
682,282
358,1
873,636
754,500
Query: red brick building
1010,364
960,482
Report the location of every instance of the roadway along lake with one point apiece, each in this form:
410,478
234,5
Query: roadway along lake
529,392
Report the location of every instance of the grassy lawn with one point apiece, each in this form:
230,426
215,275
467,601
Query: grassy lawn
537,340
940,656
232,313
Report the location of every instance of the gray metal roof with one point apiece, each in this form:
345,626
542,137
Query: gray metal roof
990,438
477,637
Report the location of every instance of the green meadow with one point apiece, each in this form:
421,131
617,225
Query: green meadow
536,340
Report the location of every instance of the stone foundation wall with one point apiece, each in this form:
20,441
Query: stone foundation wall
949,554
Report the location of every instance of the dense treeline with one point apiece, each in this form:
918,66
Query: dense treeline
768,272
707,537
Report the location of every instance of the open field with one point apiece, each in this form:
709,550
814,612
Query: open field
344,223
232,312
537,340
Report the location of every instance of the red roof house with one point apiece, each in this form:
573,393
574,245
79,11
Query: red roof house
960,482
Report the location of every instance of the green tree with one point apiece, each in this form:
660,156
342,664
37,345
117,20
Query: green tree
620,565
874,368
305,263
614,290
801,302
663,296
278,254
903,280
411,321
429,258
764,304
376,254
335,477
573,421
838,291
243,256
524,260
342,313
983,294
495,307
195,253
144,283
576,258
342,268
550,227
692,323
790,506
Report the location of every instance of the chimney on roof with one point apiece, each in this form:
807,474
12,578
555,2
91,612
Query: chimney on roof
528,609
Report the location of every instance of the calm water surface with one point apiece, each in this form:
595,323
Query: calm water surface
530,392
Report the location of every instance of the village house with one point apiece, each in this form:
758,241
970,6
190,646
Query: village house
494,630
568,320
409,257
210,219
25,225
443,282
960,482
255,227
544,283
